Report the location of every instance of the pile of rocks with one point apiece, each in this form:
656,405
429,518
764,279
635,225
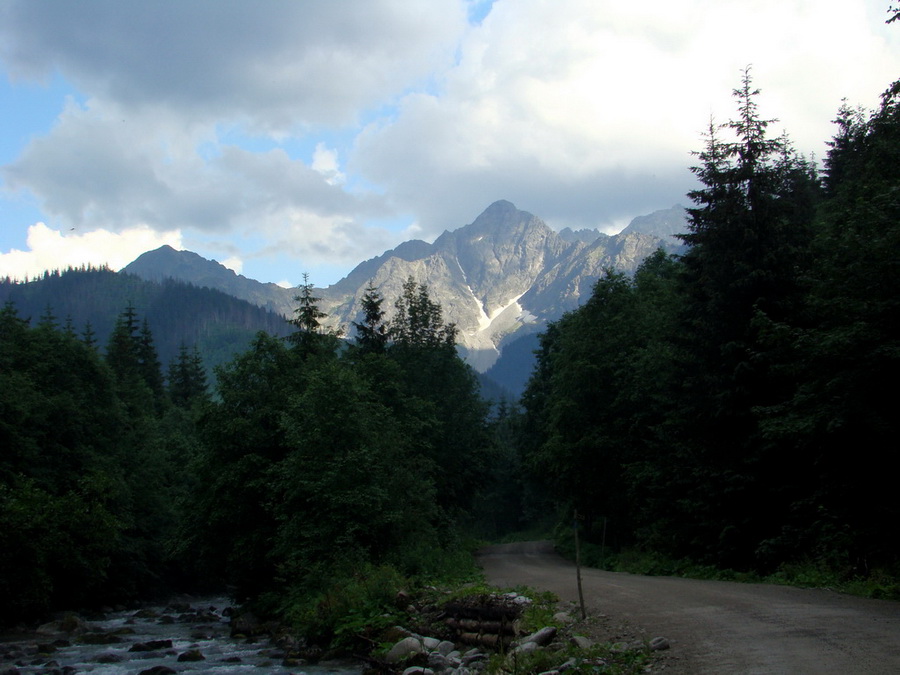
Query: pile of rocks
428,656
492,624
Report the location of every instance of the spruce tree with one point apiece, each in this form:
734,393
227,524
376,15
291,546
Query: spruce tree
846,352
187,378
748,238
418,320
307,314
311,338
372,333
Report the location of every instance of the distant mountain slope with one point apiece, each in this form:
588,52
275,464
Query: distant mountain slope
167,263
516,363
219,324
664,224
504,275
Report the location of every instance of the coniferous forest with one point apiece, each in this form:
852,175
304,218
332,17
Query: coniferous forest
731,406
734,405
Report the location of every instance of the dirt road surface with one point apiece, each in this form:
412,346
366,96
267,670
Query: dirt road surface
717,626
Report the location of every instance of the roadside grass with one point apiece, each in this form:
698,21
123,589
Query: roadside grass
876,583
600,659
606,659
537,532
357,614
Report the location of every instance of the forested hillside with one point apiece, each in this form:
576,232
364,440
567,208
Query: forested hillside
178,313
314,463
733,405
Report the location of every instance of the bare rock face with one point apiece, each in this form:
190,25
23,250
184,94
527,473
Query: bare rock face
505,273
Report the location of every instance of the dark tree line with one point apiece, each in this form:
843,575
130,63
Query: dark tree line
88,481
91,299
734,405
313,459
320,458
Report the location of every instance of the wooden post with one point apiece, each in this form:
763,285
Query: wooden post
578,565
603,546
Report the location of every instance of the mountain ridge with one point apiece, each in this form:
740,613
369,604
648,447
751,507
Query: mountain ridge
505,274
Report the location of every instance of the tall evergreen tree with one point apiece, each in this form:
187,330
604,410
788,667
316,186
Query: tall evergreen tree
131,355
418,320
748,238
307,315
151,368
187,378
846,352
311,339
373,332
454,437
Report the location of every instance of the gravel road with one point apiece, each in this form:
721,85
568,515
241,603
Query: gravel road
719,626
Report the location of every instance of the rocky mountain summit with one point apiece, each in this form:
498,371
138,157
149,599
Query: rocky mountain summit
504,275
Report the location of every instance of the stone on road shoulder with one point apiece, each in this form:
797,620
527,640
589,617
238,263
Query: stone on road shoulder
718,626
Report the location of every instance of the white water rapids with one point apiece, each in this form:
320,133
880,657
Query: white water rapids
69,654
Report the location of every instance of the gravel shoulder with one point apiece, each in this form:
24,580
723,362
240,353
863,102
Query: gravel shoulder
716,626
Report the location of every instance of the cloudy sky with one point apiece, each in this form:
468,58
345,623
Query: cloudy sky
289,137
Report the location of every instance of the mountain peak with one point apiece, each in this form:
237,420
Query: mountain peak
500,206
505,273
502,213
167,263
665,223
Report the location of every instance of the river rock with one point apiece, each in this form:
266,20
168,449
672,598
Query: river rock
159,670
517,598
418,670
446,647
99,639
146,614
191,655
473,656
395,634
581,642
430,643
526,648
659,643
542,637
110,657
246,624
150,646
438,661
408,646
563,617
70,623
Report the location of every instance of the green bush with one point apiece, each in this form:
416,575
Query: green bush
349,608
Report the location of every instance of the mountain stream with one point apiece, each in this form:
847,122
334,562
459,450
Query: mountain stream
155,641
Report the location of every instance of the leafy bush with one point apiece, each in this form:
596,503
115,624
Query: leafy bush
349,608
601,658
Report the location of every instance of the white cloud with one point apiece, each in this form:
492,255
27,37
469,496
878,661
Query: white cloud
586,111
93,170
234,263
325,162
50,249
279,67
582,111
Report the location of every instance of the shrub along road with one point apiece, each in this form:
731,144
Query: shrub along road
719,626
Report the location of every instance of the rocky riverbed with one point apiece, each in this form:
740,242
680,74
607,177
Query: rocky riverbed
182,637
